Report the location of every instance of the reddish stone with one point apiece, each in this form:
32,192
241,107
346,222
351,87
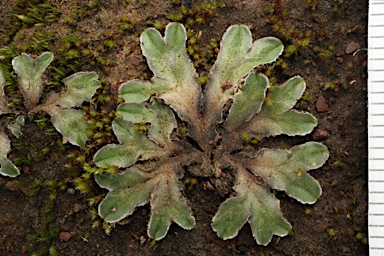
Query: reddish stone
134,60
64,236
320,135
321,105
25,169
23,249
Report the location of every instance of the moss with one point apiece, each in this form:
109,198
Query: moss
27,14
332,232
42,239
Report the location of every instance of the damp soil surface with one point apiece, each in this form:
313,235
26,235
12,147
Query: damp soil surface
42,211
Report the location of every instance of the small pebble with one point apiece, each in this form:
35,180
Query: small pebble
134,60
78,207
64,236
321,105
9,185
352,47
71,191
25,169
319,134
24,249
142,240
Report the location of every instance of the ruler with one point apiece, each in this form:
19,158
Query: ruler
376,127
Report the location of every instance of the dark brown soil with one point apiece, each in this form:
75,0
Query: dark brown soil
36,216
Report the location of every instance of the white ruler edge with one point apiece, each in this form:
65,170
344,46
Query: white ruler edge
376,127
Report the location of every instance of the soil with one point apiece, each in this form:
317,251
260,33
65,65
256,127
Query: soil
42,213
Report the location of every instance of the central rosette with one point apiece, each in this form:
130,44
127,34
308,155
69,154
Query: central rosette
168,125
